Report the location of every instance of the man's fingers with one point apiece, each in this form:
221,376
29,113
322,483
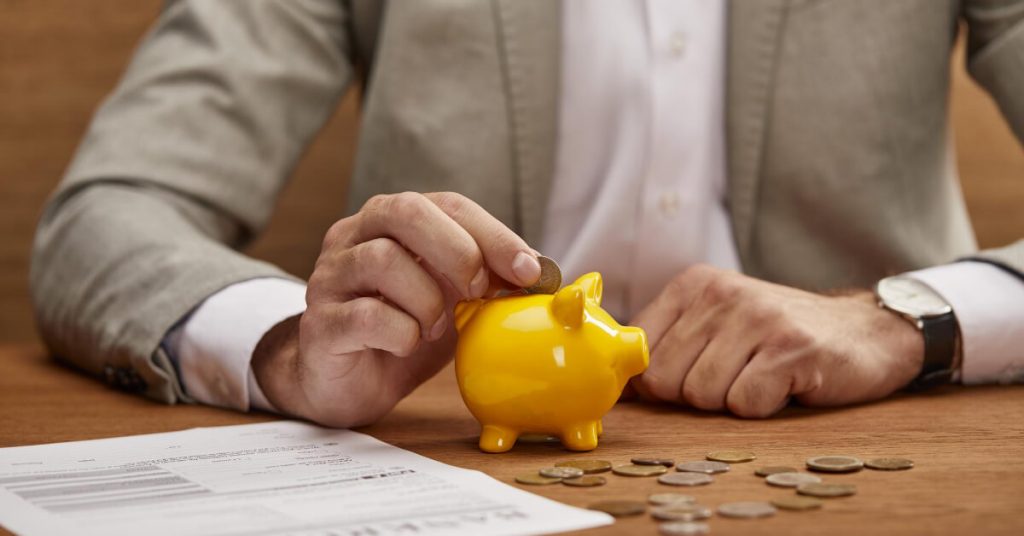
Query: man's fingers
423,228
708,380
505,252
359,324
671,359
382,266
761,389
662,313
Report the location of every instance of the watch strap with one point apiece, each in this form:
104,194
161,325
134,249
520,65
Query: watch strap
940,336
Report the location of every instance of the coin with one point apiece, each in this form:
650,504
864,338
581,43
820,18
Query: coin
561,472
889,464
797,502
835,464
731,456
667,462
639,470
772,469
822,489
746,509
588,466
685,479
683,528
662,499
791,480
681,512
550,277
533,479
586,481
703,467
619,508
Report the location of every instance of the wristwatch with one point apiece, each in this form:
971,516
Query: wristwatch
934,318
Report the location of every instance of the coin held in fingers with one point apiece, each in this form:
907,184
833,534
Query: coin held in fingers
550,277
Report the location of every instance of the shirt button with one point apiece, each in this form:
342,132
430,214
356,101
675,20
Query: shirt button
668,203
677,44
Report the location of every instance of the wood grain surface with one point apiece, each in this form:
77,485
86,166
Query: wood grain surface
968,444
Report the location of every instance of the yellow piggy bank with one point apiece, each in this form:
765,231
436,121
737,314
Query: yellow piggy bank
545,364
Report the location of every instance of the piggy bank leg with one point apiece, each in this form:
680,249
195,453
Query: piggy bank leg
581,436
494,438
600,428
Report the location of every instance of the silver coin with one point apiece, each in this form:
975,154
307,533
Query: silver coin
788,480
683,528
561,472
746,509
835,464
707,467
663,499
685,479
681,512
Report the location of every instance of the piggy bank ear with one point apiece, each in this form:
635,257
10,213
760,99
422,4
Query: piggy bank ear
567,306
592,286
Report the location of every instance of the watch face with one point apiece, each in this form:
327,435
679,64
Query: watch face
911,297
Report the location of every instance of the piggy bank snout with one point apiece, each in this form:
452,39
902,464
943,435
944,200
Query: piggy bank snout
634,355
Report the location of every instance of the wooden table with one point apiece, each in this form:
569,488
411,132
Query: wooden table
968,445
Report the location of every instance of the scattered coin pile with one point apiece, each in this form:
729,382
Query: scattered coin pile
681,514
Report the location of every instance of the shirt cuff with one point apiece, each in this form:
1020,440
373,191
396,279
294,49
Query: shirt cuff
213,346
989,306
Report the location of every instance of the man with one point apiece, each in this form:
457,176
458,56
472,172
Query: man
666,144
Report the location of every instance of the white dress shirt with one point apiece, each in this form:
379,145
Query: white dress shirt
638,195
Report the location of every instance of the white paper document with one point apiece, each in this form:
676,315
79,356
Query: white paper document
273,478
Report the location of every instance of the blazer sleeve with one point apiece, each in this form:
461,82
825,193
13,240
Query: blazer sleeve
178,169
995,58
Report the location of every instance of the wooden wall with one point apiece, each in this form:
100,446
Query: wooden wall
59,58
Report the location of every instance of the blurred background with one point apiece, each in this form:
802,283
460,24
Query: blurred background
59,58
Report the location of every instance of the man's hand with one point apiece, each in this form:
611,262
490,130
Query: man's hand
722,340
379,305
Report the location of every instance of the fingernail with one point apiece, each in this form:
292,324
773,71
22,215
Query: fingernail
478,286
439,327
526,268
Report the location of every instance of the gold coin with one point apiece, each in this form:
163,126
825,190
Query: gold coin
889,464
703,466
534,479
663,499
561,472
667,462
823,489
797,502
772,469
639,470
588,466
681,512
586,481
746,509
731,456
835,464
619,508
550,277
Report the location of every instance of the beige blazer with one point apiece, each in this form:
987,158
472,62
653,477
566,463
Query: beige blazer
839,161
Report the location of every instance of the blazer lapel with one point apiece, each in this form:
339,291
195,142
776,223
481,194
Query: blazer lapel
754,32
529,33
